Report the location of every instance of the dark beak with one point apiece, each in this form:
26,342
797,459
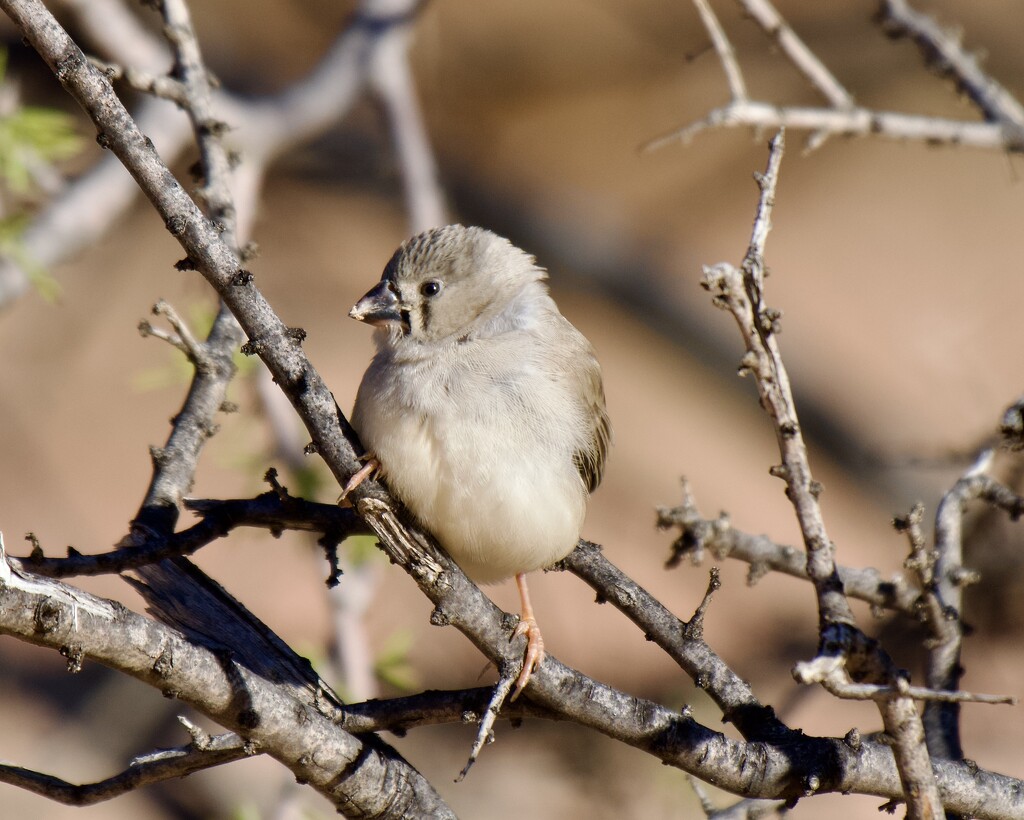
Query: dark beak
378,307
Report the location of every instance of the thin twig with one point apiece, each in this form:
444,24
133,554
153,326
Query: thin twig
867,691
158,85
805,60
942,720
842,648
266,511
726,54
390,75
182,338
764,555
944,51
855,122
485,727
144,770
1003,130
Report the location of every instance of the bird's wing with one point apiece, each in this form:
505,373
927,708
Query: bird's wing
590,458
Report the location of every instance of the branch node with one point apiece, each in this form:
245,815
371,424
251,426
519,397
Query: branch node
438,617
694,629
47,616
37,553
164,663
74,655
200,737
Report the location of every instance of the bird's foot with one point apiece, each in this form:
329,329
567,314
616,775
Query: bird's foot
534,652
368,469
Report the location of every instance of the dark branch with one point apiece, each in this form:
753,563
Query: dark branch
268,511
764,555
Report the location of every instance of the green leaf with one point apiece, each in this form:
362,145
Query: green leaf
393,666
12,229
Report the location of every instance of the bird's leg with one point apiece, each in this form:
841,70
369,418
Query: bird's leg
363,473
534,642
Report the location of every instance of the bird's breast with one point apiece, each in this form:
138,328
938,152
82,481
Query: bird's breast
477,454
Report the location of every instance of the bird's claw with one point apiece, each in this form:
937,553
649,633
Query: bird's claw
534,655
369,468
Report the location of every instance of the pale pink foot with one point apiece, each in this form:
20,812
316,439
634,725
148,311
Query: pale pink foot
534,641
364,472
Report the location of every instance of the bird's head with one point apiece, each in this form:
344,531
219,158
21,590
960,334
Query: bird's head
451,283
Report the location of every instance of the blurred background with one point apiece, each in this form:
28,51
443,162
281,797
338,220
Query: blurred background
897,268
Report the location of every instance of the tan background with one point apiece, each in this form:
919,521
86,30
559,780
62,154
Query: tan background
898,268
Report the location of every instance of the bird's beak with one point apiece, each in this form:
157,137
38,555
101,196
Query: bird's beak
378,307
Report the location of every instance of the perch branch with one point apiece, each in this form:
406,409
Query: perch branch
49,613
376,780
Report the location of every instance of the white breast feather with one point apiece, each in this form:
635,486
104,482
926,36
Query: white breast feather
502,497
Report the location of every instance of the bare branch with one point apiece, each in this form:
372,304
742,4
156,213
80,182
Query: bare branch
796,50
391,77
118,33
763,768
737,87
285,728
267,128
764,555
182,338
197,84
267,511
157,85
944,51
855,122
495,704
1003,129
376,780
686,647
143,771
742,295
866,691
943,719
841,645
432,708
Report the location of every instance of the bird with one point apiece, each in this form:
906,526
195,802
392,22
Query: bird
483,408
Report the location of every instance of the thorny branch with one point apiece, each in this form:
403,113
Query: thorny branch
949,577
264,711
796,766
397,715
718,535
1002,128
144,770
844,652
272,124
267,511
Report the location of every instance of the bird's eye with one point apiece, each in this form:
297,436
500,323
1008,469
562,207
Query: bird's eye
431,288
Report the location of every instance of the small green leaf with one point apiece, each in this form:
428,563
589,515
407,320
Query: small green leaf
362,548
393,666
